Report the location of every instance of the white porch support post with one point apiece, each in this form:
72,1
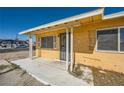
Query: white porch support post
30,47
67,48
71,52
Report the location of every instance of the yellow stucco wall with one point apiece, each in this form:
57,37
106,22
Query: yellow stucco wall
84,46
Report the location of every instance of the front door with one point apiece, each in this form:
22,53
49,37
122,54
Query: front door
63,46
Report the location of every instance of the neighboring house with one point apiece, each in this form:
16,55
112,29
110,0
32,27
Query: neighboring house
9,43
91,39
22,43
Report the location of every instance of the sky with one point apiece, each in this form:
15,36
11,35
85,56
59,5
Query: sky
14,20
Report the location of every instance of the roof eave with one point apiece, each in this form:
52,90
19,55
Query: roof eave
69,19
114,15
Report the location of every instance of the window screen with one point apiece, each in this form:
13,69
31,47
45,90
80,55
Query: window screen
48,42
43,42
107,40
121,39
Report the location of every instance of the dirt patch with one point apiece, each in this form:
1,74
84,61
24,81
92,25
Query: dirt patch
13,50
13,75
100,77
15,55
84,73
107,78
3,67
17,77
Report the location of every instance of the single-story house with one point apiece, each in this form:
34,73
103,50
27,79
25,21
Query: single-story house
91,39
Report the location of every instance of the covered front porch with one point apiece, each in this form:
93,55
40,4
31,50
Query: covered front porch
60,48
56,40
49,72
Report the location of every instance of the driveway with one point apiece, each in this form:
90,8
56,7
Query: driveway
49,72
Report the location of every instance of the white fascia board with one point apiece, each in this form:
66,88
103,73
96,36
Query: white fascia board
114,15
69,19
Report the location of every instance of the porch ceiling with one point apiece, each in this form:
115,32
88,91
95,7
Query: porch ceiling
75,23
84,21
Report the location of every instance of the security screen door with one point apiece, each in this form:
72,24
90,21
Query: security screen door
63,46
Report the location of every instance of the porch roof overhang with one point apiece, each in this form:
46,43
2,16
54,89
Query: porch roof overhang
68,21
72,21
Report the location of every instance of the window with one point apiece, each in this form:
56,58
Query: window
43,42
48,42
107,40
121,39
111,39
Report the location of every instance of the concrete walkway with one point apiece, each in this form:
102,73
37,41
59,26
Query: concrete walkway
49,72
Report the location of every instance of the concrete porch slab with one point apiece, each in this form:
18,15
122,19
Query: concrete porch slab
49,72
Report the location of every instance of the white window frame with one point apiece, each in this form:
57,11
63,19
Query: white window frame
110,51
119,38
